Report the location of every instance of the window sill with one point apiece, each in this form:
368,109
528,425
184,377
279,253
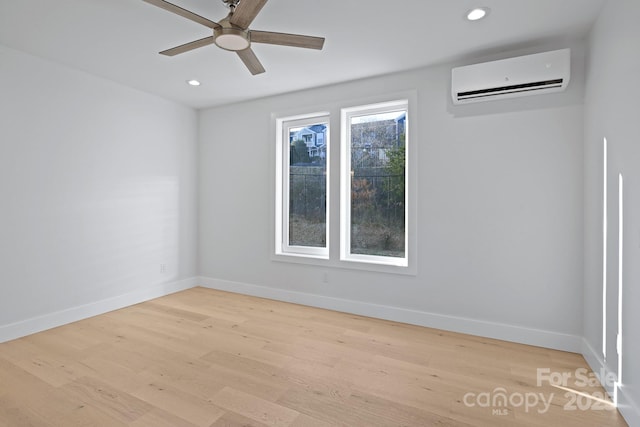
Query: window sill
344,264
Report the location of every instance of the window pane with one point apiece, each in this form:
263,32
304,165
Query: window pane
378,184
308,185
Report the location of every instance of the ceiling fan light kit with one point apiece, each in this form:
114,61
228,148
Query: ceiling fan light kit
232,39
233,34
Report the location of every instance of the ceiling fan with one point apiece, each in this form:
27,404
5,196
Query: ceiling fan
233,33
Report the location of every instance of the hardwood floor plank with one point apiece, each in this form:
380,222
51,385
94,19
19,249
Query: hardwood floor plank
55,370
331,408
20,413
239,362
304,420
255,408
29,401
116,403
160,418
19,349
302,350
175,312
86,416
231,419
115,374
396,413
164,395
266,387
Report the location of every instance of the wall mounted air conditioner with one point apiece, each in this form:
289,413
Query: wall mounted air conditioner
509,78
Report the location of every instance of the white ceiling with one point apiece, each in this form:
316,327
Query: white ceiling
120,40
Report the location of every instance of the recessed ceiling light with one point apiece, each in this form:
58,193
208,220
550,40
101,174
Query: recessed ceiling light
477,13
193,82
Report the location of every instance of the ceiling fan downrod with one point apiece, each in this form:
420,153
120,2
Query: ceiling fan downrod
231,4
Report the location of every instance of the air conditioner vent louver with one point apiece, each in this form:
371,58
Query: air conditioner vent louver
526,75
511,89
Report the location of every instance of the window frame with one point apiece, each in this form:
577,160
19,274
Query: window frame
346,114
332,107
283,124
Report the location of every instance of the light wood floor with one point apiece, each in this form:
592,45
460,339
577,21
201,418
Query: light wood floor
209,358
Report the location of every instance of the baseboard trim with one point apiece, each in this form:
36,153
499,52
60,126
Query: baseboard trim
51,320
626,405
518,334
597,365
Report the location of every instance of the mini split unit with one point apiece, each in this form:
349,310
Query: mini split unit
540,73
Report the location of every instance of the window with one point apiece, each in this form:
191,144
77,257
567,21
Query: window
369,182
302,224
373,179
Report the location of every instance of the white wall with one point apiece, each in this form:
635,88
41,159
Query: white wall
97,189
612,111
500,211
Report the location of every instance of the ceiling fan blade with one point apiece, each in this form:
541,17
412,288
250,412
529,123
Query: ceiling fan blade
183,12
188,46
283,39
246,12
251,61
